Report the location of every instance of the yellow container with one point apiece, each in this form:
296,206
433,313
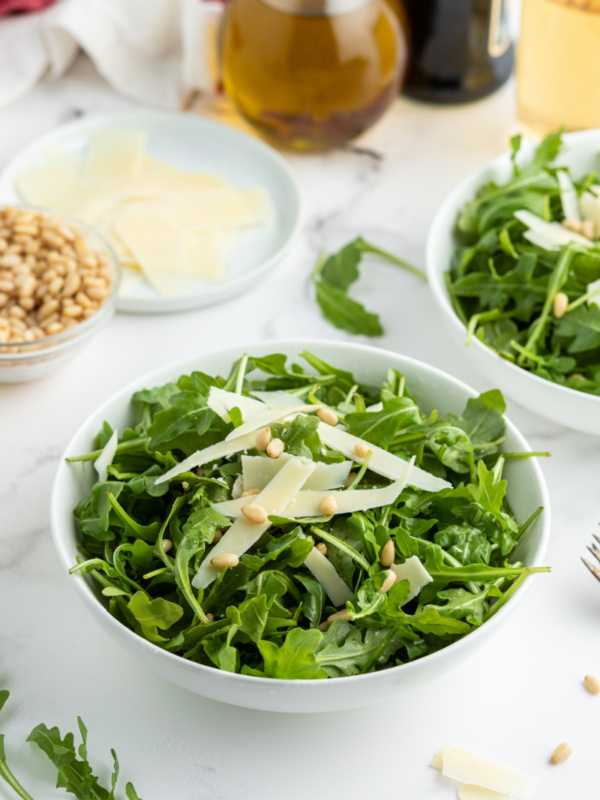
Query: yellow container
558,65
312,74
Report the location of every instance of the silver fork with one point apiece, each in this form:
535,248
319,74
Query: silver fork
596,553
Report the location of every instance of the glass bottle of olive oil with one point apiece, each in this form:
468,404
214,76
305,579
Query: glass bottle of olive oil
312,74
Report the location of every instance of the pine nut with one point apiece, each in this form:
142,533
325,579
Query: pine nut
3,299
275,448
49,307
388,582
329,505
83,300
327,416
217,536
561,753
263,438
343,614
56,285
167,545
322,548
17,311
387,555
572,225
255,514
53,328
588,229
250,492
592,684
28,287
7,286
210,617
28,303
559,305
225,561
72,310
361,449
98,294
72,284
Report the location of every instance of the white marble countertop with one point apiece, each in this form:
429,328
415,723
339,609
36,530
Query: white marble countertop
515,700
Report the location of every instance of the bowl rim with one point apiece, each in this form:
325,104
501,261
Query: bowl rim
58,342
437,271
231,352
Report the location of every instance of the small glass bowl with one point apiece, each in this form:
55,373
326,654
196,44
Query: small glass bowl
27,361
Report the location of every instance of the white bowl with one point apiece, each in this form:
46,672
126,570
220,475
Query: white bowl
566,406
27,361
433,389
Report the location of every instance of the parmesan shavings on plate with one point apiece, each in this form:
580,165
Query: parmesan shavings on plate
164,223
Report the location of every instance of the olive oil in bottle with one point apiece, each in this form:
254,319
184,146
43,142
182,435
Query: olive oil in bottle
312,74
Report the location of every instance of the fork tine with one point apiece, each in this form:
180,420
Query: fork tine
594,570
595,552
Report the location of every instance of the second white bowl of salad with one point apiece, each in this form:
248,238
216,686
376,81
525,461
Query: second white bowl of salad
513,260
306,529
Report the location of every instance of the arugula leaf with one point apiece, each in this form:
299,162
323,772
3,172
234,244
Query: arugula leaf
333,276
296,658
154,614
380,427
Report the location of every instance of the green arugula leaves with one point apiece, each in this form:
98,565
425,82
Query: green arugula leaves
335,274
503,287
269,616
74,771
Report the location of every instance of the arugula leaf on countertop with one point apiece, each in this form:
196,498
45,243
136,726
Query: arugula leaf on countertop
74,771
335,274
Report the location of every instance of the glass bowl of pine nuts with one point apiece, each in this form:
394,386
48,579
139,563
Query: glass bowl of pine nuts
58,287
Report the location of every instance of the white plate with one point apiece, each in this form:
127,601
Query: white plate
194,144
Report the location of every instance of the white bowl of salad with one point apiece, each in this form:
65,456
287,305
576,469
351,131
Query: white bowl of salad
513,261
306,528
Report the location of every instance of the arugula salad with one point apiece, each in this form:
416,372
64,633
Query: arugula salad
288,522
525,279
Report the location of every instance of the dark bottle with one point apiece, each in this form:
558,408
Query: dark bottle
461,50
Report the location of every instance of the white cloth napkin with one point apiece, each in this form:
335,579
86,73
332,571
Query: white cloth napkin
154,51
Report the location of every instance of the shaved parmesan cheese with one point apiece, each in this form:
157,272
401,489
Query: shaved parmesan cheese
149,233
212,453
113,154
415,573
321,567
224,207
568,197
308,503
594,286
466,767
259,470
238,487
471,792
590,207
548,235
374,408
276,399
243,533
225,401
105,458
269,416
381,462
